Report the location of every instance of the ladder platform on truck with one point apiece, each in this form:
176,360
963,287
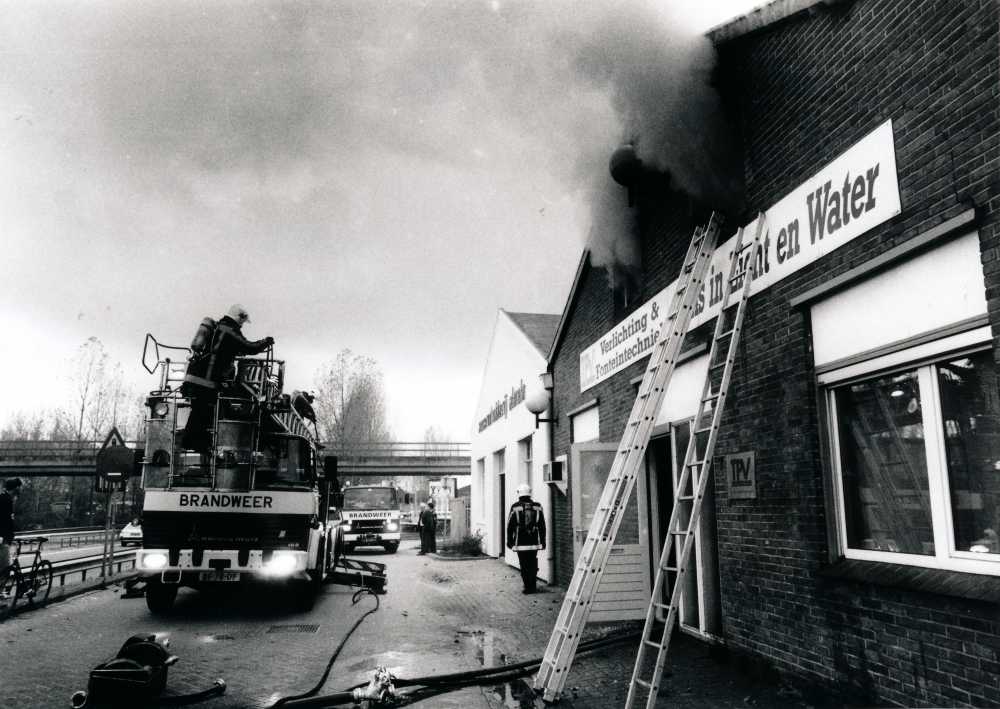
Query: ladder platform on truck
363,574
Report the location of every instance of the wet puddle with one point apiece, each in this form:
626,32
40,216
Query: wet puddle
479,644
516,694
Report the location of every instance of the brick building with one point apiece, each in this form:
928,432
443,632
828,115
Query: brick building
859,552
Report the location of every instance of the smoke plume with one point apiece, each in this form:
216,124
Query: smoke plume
658,75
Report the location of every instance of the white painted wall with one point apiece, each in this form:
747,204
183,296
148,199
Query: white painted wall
513,359
938,288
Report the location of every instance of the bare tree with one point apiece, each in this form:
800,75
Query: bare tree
97,400
350,401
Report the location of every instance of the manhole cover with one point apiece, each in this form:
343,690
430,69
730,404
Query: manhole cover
292,629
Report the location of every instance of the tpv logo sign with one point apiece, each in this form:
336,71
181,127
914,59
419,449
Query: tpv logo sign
741,475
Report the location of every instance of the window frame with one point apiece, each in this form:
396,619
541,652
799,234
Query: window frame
923,359
524,453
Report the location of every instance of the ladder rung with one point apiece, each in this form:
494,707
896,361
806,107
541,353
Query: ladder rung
656,645
680,533
664,606
702,430
644,683
669,568
711,397
685,497
696,463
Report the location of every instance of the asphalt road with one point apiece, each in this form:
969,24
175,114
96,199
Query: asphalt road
256,642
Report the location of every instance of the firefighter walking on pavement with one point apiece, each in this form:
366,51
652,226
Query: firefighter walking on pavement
526,535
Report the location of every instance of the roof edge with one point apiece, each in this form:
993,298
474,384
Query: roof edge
763,17
569,304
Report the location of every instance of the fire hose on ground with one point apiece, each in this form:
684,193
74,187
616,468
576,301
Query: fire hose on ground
380,691
139,672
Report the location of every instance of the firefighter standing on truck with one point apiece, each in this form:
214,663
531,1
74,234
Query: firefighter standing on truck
216,346
526,535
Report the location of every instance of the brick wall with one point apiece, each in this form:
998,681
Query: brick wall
665,224
808,89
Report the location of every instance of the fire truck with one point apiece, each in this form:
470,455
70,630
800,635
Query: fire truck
254,505
372,517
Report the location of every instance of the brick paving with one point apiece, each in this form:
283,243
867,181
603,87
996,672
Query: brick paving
439,616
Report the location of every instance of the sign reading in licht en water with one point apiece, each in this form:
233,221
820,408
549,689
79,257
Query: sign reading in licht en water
851,195
741,476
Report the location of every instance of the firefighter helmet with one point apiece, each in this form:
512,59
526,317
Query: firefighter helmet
523,490
239,314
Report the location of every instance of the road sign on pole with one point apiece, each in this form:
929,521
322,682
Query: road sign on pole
114,467
114,460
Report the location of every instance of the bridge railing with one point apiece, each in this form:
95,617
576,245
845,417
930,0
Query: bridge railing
394,449
48,451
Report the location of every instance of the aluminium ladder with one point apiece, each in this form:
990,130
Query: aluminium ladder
696,472
631,453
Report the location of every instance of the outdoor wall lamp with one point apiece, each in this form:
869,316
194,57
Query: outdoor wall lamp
538,400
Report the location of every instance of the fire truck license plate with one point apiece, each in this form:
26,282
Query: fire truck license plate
367,538
218,576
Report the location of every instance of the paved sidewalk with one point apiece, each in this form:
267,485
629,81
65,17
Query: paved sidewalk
453,615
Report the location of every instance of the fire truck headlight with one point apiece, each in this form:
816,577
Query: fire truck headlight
347,526
282,563
154,561
393,526
161,410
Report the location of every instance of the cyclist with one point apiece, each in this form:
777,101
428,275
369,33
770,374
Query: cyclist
11,491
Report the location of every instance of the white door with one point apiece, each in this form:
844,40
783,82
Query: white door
625,587
700,609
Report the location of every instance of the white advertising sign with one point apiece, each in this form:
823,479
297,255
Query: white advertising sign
851,195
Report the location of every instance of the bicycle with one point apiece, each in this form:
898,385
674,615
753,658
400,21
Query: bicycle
34,586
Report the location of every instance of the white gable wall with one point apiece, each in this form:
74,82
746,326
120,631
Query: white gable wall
513,360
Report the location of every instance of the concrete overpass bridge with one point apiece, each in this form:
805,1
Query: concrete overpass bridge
79,458
409,459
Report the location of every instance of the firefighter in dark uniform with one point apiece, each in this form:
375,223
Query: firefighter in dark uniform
526,535
215,348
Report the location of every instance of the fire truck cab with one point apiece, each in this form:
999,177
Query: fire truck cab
371,516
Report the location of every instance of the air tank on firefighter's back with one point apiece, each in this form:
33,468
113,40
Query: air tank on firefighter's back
203,336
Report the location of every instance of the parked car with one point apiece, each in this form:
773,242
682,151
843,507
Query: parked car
131,534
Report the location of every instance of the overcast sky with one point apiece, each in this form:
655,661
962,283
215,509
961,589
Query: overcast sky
378,176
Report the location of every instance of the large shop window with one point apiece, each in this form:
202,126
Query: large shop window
918,464
914,423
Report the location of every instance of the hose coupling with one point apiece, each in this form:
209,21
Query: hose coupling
379,690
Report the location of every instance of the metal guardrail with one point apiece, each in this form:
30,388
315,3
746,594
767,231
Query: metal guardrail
68,539
62,569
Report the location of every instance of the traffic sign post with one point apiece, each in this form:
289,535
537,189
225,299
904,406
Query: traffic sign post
115,462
